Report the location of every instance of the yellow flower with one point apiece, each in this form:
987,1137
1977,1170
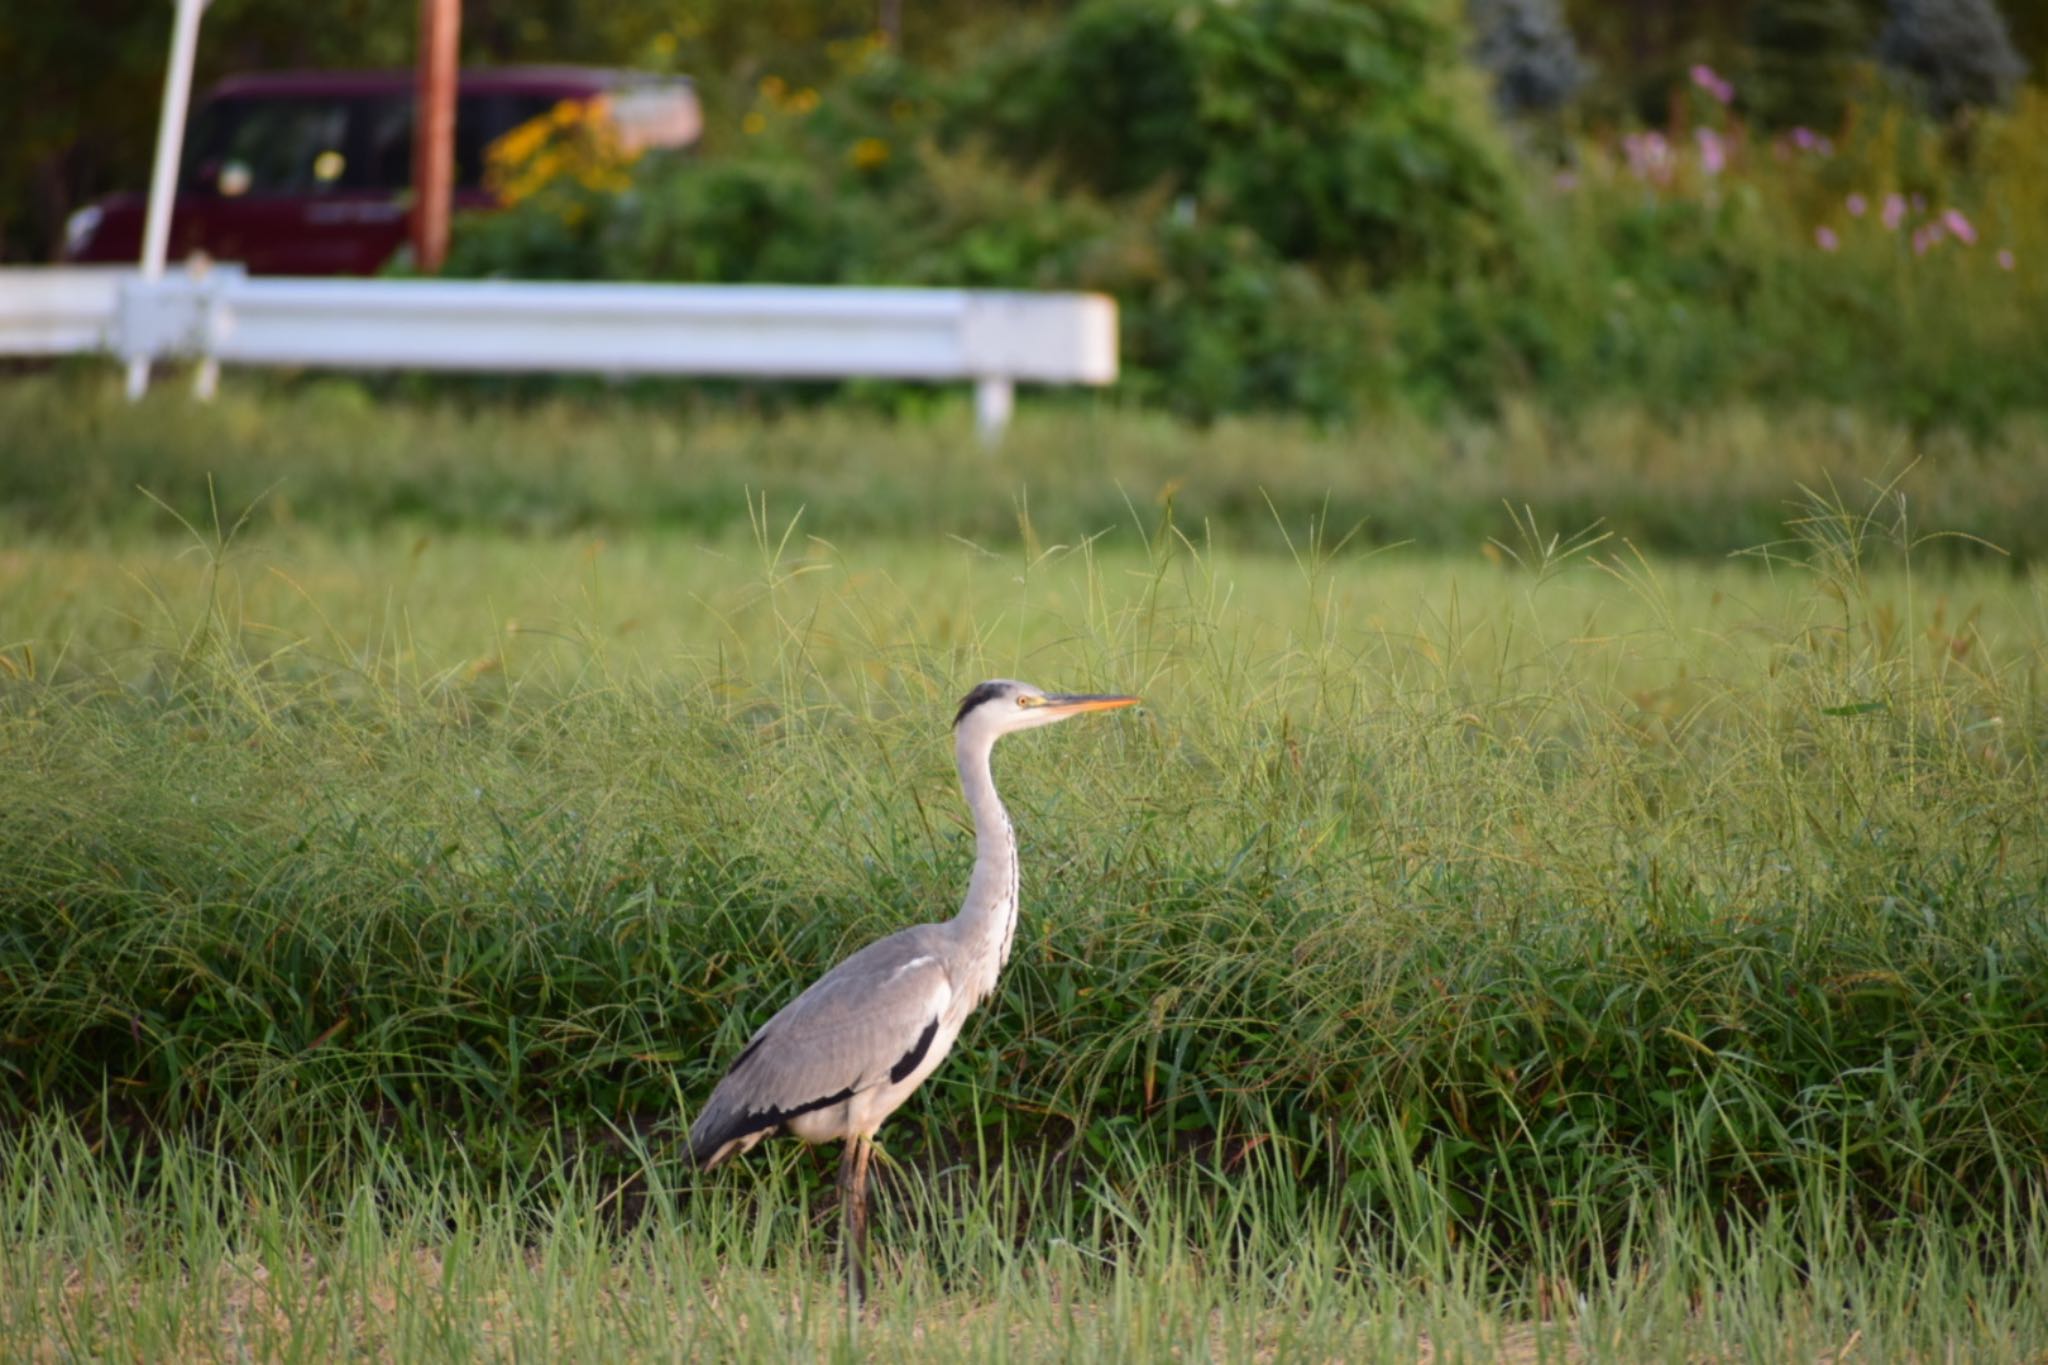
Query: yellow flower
772,87
868,153
803,101
517,144
575,141
754,122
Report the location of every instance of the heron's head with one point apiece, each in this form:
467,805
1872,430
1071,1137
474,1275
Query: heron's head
996,708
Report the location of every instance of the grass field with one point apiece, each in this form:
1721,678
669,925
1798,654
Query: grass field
207,1262
347,457
1523,947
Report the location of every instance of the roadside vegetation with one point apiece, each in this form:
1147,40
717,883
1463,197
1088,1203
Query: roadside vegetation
1315,209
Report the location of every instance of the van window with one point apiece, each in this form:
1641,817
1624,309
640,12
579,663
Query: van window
313,145
479,121
282,146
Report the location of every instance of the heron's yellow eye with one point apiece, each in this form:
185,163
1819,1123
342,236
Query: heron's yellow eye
1029,699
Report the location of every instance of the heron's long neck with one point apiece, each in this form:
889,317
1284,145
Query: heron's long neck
987,921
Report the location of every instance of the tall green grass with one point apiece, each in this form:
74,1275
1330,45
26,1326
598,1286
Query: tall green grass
1559,882
332,454
211,1258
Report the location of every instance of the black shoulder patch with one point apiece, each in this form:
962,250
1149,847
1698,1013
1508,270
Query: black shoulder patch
909,1061
988,691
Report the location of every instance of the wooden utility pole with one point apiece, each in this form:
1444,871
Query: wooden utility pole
433,132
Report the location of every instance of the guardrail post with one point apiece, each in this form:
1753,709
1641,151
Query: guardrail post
995,397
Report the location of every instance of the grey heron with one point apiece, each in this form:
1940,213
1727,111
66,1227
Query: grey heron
838,1060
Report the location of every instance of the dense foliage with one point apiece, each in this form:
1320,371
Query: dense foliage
1309,207
1328,130
1304,207
1223,186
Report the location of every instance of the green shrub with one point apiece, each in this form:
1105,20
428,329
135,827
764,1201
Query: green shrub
761,218
1330,130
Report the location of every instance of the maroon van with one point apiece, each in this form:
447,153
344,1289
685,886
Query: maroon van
309,172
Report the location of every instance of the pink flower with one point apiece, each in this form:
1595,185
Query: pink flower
1960,226
1826,240
1709,80
1713,151
1649,156
1857,205
1894,212
1925,236
1806,140
2005,260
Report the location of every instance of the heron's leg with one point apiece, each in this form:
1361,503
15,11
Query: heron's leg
853,1198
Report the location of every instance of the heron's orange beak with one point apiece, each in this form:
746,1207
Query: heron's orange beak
1071,704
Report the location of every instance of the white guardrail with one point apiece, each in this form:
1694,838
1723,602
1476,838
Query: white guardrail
61,310
224,317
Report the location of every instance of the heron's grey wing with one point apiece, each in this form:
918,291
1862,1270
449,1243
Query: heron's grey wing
871,1018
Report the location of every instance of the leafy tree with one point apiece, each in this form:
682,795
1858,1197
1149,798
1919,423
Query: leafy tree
1957,52
1528,49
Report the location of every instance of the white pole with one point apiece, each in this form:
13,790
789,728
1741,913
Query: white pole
163,177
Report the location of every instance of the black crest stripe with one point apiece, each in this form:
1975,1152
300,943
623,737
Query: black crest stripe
985,692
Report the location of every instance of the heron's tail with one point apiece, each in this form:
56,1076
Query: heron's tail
713,1143
706,1153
